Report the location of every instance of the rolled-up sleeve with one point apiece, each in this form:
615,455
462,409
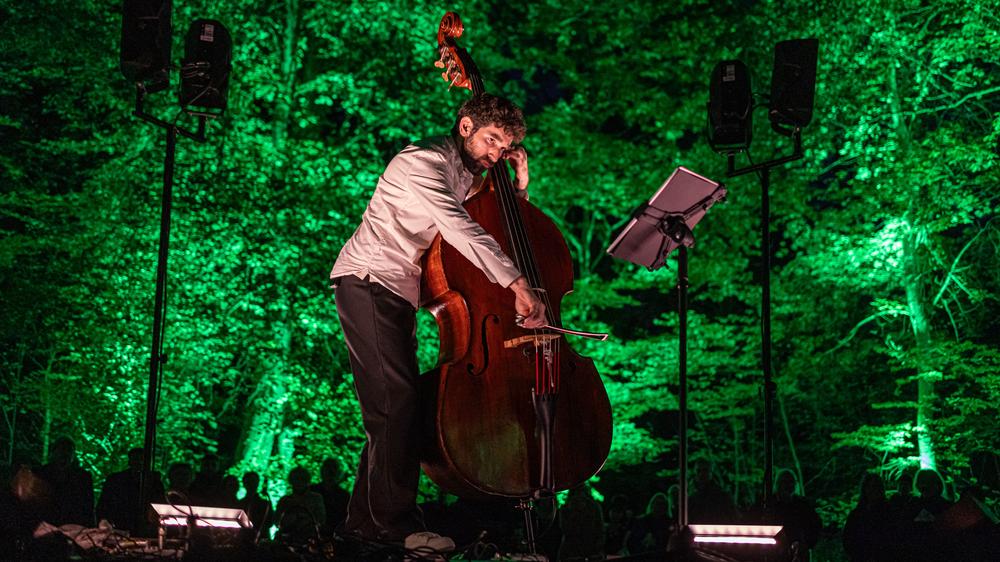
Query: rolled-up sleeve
429,187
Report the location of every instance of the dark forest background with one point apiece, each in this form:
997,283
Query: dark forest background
886,248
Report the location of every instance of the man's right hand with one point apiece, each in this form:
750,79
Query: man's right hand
527,304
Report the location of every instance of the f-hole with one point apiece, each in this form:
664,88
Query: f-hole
469,367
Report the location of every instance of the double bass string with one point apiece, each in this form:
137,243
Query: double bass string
512,217
548,353
547,359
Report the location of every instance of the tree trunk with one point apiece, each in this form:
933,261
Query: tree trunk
46,411
266,406
791,444
737,457
266,420
286,75
916,303
913,268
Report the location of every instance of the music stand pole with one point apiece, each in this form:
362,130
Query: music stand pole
676,229
682,287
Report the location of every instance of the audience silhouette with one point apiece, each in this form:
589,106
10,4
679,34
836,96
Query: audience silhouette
70,489
206,486
119,500
709,503
582,525
930,501
300,514
617,524
918,523
226,494
331,488
651,531
867,529
257,507
795,513
179,479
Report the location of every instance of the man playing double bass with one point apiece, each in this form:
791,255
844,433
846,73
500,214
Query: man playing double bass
377,279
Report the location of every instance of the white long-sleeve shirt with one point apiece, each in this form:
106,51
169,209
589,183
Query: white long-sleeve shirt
419,195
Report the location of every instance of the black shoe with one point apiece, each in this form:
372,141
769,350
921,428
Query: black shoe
354,546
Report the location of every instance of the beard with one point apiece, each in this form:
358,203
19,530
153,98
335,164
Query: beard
471,163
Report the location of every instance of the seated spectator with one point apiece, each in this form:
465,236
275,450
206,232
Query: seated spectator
795,513
258,508
228,488
902,500
119,502
582,525
300,514
71,488
930,501
205,489
918,534
617,524
179,478
710,503
335,498
651,531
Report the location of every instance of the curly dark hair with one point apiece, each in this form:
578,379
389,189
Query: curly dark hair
487,109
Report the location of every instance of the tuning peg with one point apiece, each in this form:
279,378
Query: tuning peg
444,75
439,64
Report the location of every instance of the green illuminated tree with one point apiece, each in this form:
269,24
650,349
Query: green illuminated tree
885,285
908,202
71,287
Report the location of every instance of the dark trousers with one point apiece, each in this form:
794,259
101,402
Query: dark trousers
380,331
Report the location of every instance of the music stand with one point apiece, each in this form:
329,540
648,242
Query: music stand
657,228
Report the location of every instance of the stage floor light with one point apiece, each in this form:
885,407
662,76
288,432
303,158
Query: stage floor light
182,515
735,534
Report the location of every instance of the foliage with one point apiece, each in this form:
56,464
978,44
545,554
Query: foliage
885,285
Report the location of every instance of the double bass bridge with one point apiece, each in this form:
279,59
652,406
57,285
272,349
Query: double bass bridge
534,339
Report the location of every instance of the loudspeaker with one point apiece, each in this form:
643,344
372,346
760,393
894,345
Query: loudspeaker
205,69
145,46
793,84
729,107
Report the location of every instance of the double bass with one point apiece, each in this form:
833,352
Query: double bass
512,412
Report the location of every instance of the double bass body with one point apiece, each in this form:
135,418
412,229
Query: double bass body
486,433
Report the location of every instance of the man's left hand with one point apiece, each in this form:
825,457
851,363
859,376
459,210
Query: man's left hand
518,158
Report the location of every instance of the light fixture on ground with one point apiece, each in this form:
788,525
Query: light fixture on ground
735,534
187,519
